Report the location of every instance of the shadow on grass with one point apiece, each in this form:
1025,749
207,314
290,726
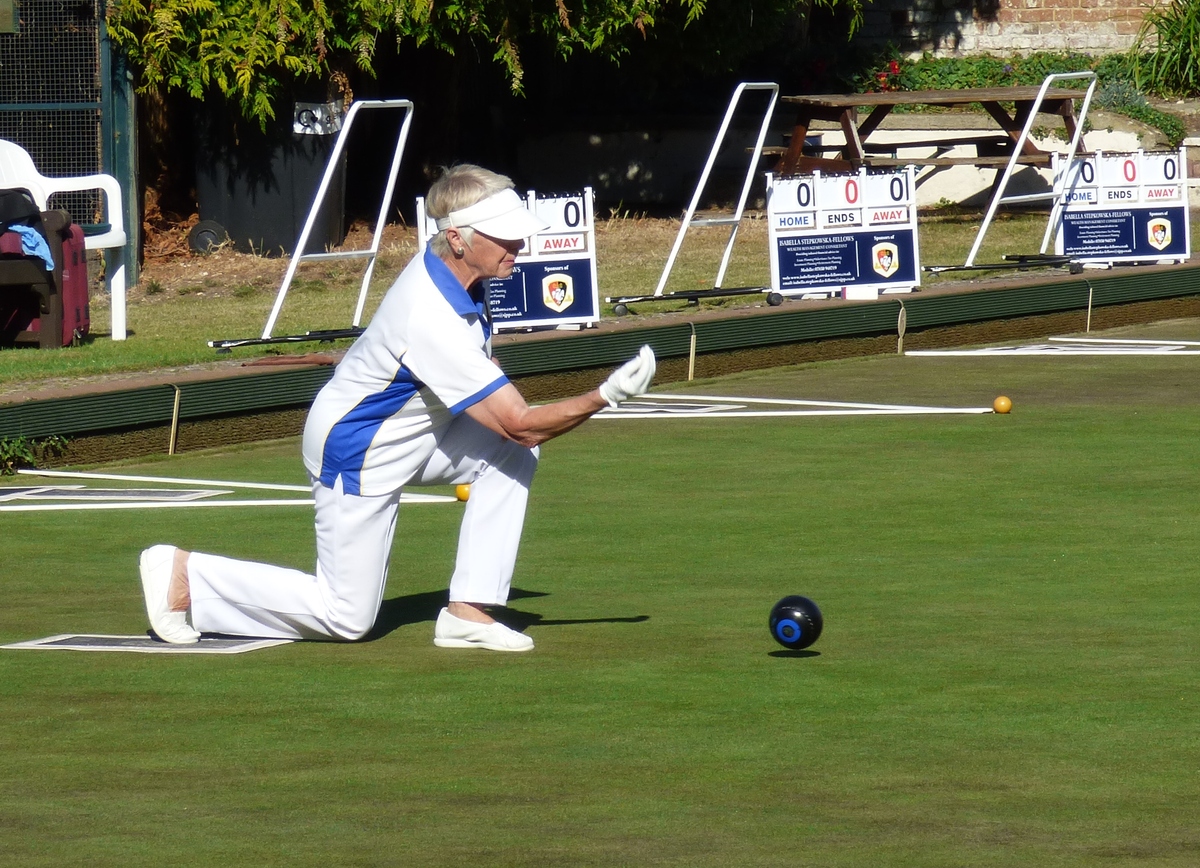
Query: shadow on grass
417,608
794,653
520,620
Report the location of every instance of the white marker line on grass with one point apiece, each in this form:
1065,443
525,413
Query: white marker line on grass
158,504
145,504
790,402
779,414
827,408
1141,341
103,495
1055,351
72,474
1160,350
405,497
142,644
634,406
24,491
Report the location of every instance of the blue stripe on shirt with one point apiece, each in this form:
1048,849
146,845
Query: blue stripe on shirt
348,441
447,284
459,299
480,395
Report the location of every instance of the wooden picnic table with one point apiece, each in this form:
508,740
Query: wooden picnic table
991,150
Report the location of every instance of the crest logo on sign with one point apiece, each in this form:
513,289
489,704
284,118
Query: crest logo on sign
885,259
558,291
1159,231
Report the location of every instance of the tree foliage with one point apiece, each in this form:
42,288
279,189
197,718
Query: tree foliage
246,49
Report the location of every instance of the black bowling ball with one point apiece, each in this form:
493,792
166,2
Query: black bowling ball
796,622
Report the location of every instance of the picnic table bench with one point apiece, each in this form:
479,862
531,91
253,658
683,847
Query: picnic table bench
991,149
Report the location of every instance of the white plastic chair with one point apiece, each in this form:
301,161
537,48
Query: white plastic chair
17,170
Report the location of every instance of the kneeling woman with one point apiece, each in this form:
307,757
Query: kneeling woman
417,400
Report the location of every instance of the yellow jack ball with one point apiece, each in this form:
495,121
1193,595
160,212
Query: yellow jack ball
462,492
1002,404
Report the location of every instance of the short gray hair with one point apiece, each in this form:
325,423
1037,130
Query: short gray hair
460,186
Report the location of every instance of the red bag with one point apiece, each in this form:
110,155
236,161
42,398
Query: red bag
73,287
49,308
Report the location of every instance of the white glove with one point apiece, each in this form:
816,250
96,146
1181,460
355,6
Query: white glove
632,378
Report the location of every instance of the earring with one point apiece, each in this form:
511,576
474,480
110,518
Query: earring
461,251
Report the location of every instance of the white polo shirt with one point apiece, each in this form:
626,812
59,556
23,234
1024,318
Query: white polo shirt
424,358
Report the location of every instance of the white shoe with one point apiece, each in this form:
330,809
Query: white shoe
453,632
156,564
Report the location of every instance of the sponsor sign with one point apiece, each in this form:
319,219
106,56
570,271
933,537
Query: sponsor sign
853,235
1124,208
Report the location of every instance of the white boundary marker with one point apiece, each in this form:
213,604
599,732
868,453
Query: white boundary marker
143,644
23,491
194,504
405,497
792,402
145,504
1061,350
1132,341
737,408
72,474
106,495
1068,346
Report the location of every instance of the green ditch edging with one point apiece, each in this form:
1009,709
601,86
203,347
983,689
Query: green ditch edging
154,405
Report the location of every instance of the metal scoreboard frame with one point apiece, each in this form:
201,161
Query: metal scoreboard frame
1125,207
853,234
553,283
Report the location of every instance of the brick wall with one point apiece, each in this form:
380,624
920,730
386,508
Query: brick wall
1003,27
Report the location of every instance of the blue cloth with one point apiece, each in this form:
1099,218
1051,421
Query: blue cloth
33,243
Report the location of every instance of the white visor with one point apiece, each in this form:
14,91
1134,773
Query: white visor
502,215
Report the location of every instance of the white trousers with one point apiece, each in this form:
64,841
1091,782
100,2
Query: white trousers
354,543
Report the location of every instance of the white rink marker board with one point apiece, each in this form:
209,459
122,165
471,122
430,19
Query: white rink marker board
144,644
853,235
554,281
1125,208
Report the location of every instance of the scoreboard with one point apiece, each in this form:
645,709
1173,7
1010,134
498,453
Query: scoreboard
1125,208
554,281
853,234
